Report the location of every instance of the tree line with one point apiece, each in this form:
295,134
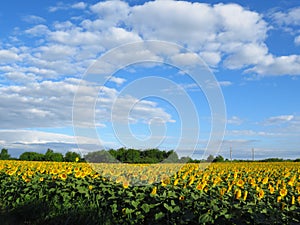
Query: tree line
120,155
133,156
123,155
50,155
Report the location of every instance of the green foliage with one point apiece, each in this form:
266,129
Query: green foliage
71,201
272,160
219,158
71,157
133,156
31,156
4,154
49,156
99,157
210,158
53,156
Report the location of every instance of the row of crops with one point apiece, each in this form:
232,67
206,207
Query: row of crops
81,193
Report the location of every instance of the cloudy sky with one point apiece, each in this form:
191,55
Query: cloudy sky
88,75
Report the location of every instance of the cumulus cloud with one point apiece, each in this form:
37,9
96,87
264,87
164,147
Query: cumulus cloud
117,80
50,104
220,33
112,12
8,56
197,24
38,30
282,65
245,55
291,17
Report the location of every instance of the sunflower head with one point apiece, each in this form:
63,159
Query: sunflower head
283,192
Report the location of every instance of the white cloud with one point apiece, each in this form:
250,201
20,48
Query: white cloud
215,84
44,104
55,52
38,137
33,19
185,59
79,5
117,80
225,83
197,24
176,21
117,36
75,37
282,65
291,17
211,58
19,141
239,24
20,77
63,6
57,7
50,104
250,133
245,55
276,120
235,120
297,40
218,33
38,30
8,56
112,12
226,34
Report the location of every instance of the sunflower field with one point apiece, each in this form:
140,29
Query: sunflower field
83,193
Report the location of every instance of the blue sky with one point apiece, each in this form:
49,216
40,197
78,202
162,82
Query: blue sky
49,51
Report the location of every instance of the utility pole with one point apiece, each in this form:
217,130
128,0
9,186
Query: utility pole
252,154
230,153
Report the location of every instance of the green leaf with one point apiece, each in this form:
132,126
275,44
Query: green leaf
176,209
135,204
171,194
159,215
114,208
205,218
145,207
169,208
129,211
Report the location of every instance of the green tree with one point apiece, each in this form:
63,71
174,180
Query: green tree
185,159
172,157
219,158
133,156
155,155
99,157
31,156
113,153
4,154
210,158
121,154
53,156
71,156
